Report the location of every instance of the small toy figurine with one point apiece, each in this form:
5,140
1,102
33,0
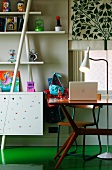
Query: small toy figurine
6,6
12,55
30,87
20,6
33,56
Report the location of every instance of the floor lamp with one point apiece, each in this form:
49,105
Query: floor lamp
85,66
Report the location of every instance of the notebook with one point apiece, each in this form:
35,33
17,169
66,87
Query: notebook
83,90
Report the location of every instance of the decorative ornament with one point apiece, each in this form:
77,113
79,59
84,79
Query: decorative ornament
58,27
33,55
12,55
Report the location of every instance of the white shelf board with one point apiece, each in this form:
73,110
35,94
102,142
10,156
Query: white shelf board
11,33
24,62
32,63
19,13
32,32
45,32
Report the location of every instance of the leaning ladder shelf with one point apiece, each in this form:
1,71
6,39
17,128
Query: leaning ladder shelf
21,105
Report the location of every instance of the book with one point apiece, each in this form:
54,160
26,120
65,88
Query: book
2,23
11,24
6,78
20,21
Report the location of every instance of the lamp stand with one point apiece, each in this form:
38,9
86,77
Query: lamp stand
106,155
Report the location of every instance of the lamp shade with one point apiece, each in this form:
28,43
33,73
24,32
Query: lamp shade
85,65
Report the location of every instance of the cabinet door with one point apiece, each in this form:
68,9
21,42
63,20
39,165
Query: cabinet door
4,99
25,114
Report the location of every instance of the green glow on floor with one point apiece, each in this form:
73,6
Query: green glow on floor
42,158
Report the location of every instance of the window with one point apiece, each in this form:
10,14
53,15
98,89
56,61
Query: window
98,69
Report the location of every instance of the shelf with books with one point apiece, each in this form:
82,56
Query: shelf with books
13,21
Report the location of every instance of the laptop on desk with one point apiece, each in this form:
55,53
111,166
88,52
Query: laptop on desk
79,90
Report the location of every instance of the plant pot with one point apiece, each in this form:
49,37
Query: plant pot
58,28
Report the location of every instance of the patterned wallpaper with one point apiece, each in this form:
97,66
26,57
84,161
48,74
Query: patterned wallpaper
90,19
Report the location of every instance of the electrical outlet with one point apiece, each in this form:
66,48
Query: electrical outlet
53,129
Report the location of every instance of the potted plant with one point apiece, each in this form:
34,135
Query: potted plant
58,27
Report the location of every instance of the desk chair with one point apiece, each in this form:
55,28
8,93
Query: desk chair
82,125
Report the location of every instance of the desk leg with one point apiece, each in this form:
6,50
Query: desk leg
67,146
3,142
63,147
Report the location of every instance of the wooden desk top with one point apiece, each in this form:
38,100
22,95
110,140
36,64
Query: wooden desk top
103,101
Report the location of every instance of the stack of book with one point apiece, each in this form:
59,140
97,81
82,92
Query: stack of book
11,24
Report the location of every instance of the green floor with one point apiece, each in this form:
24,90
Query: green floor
41,158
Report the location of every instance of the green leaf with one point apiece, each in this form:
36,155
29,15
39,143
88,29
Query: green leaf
105,13
79,25
82,20
91,8
92,16
76,21
109,19
96,11
76,13
79,34
83,27
81,2
88,32
73,33
89,27
91,35
108,6
89,12
86,7
88,20
82,16
97,3
77,30
101,20
100,34
95,30
109,13
95,37
72,17
85,1
103,26
102,6
84,36
92,4
108,26
100,13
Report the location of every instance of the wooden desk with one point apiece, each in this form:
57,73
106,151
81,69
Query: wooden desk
78,131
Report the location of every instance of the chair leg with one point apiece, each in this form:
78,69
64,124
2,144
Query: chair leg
58,135
85,157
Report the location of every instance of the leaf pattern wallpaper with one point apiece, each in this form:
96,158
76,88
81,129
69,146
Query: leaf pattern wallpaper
91,19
